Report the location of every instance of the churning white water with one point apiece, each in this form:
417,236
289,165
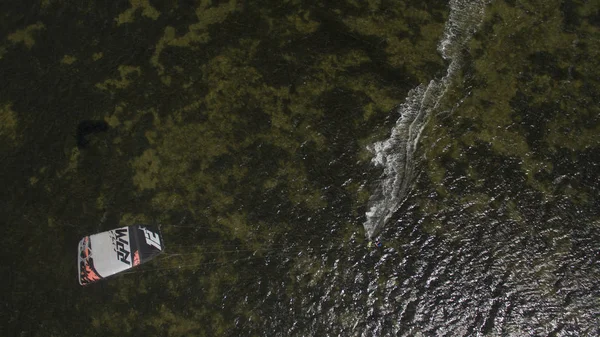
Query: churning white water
396,155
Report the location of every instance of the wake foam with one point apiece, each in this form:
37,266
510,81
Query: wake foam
396,155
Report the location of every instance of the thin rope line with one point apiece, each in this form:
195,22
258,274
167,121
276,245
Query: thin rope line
185,266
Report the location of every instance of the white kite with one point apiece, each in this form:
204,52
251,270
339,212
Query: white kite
111,252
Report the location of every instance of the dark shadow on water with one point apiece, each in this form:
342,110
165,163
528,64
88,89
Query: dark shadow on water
89,127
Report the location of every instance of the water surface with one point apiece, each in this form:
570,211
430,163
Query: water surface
270,139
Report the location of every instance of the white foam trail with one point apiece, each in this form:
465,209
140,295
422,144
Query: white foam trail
397,154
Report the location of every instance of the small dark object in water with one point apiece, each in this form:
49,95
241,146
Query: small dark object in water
88,127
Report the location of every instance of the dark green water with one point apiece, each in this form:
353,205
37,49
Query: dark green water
242,129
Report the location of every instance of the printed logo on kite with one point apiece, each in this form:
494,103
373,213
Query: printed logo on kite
153,239
120,241
112,251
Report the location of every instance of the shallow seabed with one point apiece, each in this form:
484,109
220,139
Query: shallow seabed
242,129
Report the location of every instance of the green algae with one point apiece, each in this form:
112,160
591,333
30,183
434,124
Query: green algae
124,80
33,180
567,133
68,59
144,5
97,56
26,36
113,121
101,201
147,168
74,159
197,32
433,226
404,46
8,123
131,218
303,23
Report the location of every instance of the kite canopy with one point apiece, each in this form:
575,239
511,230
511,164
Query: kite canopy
111,252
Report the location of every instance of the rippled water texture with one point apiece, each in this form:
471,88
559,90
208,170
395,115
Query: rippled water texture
270,139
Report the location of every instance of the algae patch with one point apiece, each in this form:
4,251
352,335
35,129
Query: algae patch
144,5
8,123
146,168
68,59
125,78
197,32
26,36
97,56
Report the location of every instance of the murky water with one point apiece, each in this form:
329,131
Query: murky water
269,140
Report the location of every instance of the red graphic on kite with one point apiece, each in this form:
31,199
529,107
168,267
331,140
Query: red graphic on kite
136,258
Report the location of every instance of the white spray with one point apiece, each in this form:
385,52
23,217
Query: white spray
396,155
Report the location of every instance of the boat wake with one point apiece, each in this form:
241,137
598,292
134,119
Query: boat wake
396,155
